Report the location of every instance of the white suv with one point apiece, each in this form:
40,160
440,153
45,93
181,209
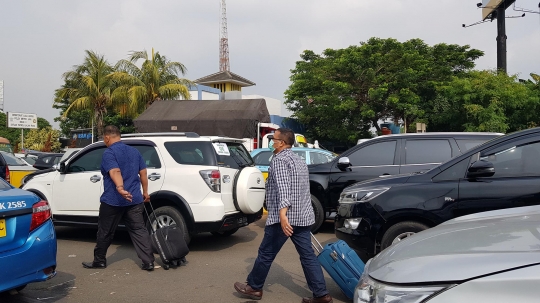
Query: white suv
202,184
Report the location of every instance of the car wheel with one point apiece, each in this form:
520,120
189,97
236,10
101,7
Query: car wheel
224,233
320,216
401,231
167,216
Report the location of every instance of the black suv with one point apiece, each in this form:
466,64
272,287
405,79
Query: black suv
384,156
502,173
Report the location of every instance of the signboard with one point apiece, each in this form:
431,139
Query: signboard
21,120
489,6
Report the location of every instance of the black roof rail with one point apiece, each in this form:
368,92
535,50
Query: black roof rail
165,134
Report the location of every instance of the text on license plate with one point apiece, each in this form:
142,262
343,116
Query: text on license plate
3,228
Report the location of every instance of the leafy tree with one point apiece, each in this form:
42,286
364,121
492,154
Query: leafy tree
484,101
342,93
89,86
45,139
156,79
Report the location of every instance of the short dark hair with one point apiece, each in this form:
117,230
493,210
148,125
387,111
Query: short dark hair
111,130
288,135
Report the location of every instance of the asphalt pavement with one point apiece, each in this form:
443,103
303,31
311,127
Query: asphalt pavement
214,264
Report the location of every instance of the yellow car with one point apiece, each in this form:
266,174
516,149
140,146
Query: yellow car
17,168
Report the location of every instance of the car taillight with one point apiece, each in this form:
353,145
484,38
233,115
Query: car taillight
8,178
212,179
41,212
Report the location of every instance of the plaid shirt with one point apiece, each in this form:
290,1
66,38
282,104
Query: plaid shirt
288,186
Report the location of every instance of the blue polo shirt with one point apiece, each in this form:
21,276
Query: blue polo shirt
130,162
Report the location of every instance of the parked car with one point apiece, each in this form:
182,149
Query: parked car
27,239
502,173
47,160
201,184
28,158
17,168
486,257
263,156
384,156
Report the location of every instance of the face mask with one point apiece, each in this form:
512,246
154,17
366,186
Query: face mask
271,145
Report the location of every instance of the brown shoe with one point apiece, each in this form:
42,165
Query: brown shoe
323,299
247,291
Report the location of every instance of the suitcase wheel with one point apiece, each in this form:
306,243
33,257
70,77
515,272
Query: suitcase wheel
166,266
183,260
176,263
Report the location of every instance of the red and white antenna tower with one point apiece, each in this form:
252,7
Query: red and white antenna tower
223,41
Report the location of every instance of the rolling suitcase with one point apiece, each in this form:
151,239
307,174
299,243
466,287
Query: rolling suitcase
341,263
169,242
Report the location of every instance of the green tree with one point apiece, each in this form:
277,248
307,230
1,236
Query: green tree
45,139
342,93
156,79
89,86
484,101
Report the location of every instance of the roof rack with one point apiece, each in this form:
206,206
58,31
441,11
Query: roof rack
170,134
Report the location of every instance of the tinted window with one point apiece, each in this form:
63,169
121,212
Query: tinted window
90,161
465,145
516,161
374,154
427,151
320,158
454,172
263,158
30,160
12,160
239,156
192,153
149,155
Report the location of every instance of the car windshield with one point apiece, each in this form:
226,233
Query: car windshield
11,160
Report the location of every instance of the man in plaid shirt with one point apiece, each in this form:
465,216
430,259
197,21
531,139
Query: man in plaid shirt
290,215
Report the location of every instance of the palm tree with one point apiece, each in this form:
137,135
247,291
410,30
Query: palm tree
89,86
156,79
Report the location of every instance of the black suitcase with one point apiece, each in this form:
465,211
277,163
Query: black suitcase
169,242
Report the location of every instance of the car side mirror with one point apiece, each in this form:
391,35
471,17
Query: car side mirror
61,168
481,169
343,163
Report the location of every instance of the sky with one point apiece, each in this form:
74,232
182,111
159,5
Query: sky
40,40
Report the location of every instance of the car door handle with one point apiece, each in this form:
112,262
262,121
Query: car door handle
154,176
384,175
95,178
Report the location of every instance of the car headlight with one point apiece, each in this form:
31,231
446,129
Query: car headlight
370,291
362,195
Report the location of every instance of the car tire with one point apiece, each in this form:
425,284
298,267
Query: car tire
168,215
400,231
224,233
320,215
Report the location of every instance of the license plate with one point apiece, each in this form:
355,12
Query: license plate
3,232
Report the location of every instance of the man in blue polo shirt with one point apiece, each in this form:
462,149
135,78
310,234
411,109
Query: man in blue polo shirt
124,171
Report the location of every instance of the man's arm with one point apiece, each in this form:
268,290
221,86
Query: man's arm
116,177
144,182
283,181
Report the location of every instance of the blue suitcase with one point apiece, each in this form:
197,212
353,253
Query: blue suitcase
341,263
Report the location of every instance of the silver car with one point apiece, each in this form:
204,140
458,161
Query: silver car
486,257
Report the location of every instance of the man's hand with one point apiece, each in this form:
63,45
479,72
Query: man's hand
125,194
146,197
287,228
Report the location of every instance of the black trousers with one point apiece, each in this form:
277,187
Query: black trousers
109,217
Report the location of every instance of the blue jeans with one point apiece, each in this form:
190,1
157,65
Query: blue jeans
273,240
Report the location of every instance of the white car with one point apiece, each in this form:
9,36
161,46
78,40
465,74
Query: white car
201,184
485,257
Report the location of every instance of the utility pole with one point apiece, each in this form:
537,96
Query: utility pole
501,39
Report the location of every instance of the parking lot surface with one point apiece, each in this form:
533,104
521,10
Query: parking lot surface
214,264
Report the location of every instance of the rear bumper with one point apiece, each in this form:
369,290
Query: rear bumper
228,222
35,261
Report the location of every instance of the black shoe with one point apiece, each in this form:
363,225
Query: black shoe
148,266
94,265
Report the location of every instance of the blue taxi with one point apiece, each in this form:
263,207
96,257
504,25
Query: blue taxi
27,239
263,156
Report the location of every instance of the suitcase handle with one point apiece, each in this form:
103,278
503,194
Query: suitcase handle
317,247
154,212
